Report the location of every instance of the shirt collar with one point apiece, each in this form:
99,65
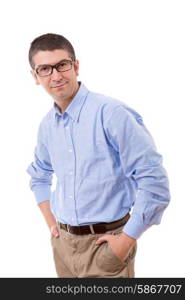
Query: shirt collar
74,108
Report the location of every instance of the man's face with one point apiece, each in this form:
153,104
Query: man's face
60,85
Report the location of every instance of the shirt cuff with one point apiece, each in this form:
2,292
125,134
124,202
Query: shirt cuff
42,193
135,226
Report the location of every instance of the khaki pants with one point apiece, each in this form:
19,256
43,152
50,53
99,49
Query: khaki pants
78,256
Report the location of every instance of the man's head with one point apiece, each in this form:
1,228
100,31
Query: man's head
54,66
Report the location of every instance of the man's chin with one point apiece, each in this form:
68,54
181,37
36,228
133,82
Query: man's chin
59,97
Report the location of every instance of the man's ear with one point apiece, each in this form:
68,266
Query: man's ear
76,67
35,77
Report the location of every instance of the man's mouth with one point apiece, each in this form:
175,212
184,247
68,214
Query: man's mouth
59,84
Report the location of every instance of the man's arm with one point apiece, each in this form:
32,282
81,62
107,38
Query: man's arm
41,171
49,218
143,165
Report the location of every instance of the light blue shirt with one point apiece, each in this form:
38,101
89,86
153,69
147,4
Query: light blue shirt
105,161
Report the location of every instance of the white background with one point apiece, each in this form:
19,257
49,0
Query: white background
131,50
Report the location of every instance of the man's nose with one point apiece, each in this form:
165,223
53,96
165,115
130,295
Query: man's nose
56,75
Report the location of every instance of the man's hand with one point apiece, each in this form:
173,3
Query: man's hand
121,244
54,230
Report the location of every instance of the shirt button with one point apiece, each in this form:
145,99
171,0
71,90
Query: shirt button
70,196
70,150
67,127
71,172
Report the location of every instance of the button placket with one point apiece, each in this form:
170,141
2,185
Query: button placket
70,181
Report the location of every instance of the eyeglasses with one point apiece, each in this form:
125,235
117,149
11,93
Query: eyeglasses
62,66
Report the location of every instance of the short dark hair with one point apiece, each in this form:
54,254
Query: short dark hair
50,42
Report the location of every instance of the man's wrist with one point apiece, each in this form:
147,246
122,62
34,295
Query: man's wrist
127,239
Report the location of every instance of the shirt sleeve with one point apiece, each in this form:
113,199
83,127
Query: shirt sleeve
41,170
143,164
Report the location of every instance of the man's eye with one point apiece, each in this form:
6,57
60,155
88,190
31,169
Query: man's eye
63,64
44,68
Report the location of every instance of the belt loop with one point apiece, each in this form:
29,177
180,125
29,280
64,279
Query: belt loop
92,229
67,226
59,225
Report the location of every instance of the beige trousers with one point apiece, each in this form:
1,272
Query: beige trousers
78,256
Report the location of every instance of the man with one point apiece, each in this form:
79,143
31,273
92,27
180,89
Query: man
111,183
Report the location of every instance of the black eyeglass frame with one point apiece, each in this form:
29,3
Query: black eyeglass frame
55,67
